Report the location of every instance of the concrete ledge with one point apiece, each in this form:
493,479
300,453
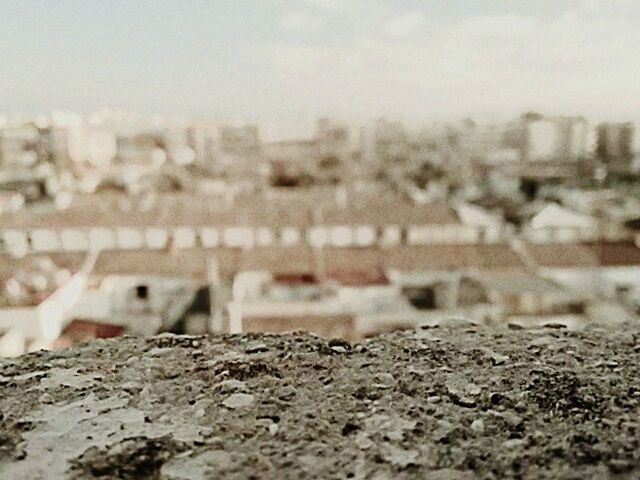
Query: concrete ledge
441,403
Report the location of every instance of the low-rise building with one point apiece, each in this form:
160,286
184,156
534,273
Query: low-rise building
37,294
339,304
555,223
615,147
140,291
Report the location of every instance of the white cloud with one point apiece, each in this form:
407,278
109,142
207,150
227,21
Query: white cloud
576,62
500,27
405,25
610,7
301,22
337,6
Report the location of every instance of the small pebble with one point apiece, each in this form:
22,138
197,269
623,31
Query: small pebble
239,400
256,348
477,425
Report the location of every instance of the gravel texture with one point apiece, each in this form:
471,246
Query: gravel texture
440,403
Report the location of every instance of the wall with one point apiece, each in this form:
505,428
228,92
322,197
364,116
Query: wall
328,326
54,311
12,343
25,319
20,242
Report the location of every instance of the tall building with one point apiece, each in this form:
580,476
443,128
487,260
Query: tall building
239,140
332,139
615,140
615,146
101,147
18,146
550,139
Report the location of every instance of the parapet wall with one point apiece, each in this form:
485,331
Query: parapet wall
443,403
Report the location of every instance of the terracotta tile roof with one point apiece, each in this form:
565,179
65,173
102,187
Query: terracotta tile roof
612,254
566,255
152,262
583,255
392,213
347,263
278,260
168,210
454,257
92,329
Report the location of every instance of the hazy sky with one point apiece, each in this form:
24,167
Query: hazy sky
412,59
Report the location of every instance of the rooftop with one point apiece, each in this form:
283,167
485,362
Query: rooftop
28,281
584,255
114,210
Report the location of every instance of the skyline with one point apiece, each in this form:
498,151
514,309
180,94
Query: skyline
291,59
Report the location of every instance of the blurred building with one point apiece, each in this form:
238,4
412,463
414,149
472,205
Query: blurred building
340,304
615,146
325,158
37,294
18,147
390,141
555,139
244,140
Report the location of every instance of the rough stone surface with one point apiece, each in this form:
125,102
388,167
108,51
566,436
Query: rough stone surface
442,403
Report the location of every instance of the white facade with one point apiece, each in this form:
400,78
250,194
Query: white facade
543,139
156,238
290,236
209,237
184,237
318,236
391,235
74,239
101,238
365,235
143,304
238,237
44,322
341,236
453,233
129,238
45,240
555,223
264,236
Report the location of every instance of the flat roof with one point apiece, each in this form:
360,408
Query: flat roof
171,210
355,262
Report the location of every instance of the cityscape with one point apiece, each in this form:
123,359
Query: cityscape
119,223
319,239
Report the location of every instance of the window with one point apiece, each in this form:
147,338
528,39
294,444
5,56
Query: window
142,292
421,298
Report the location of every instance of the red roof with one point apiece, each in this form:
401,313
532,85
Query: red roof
356,277
91,329
445,257
353,265
584,255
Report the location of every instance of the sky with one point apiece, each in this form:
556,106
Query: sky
415,60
